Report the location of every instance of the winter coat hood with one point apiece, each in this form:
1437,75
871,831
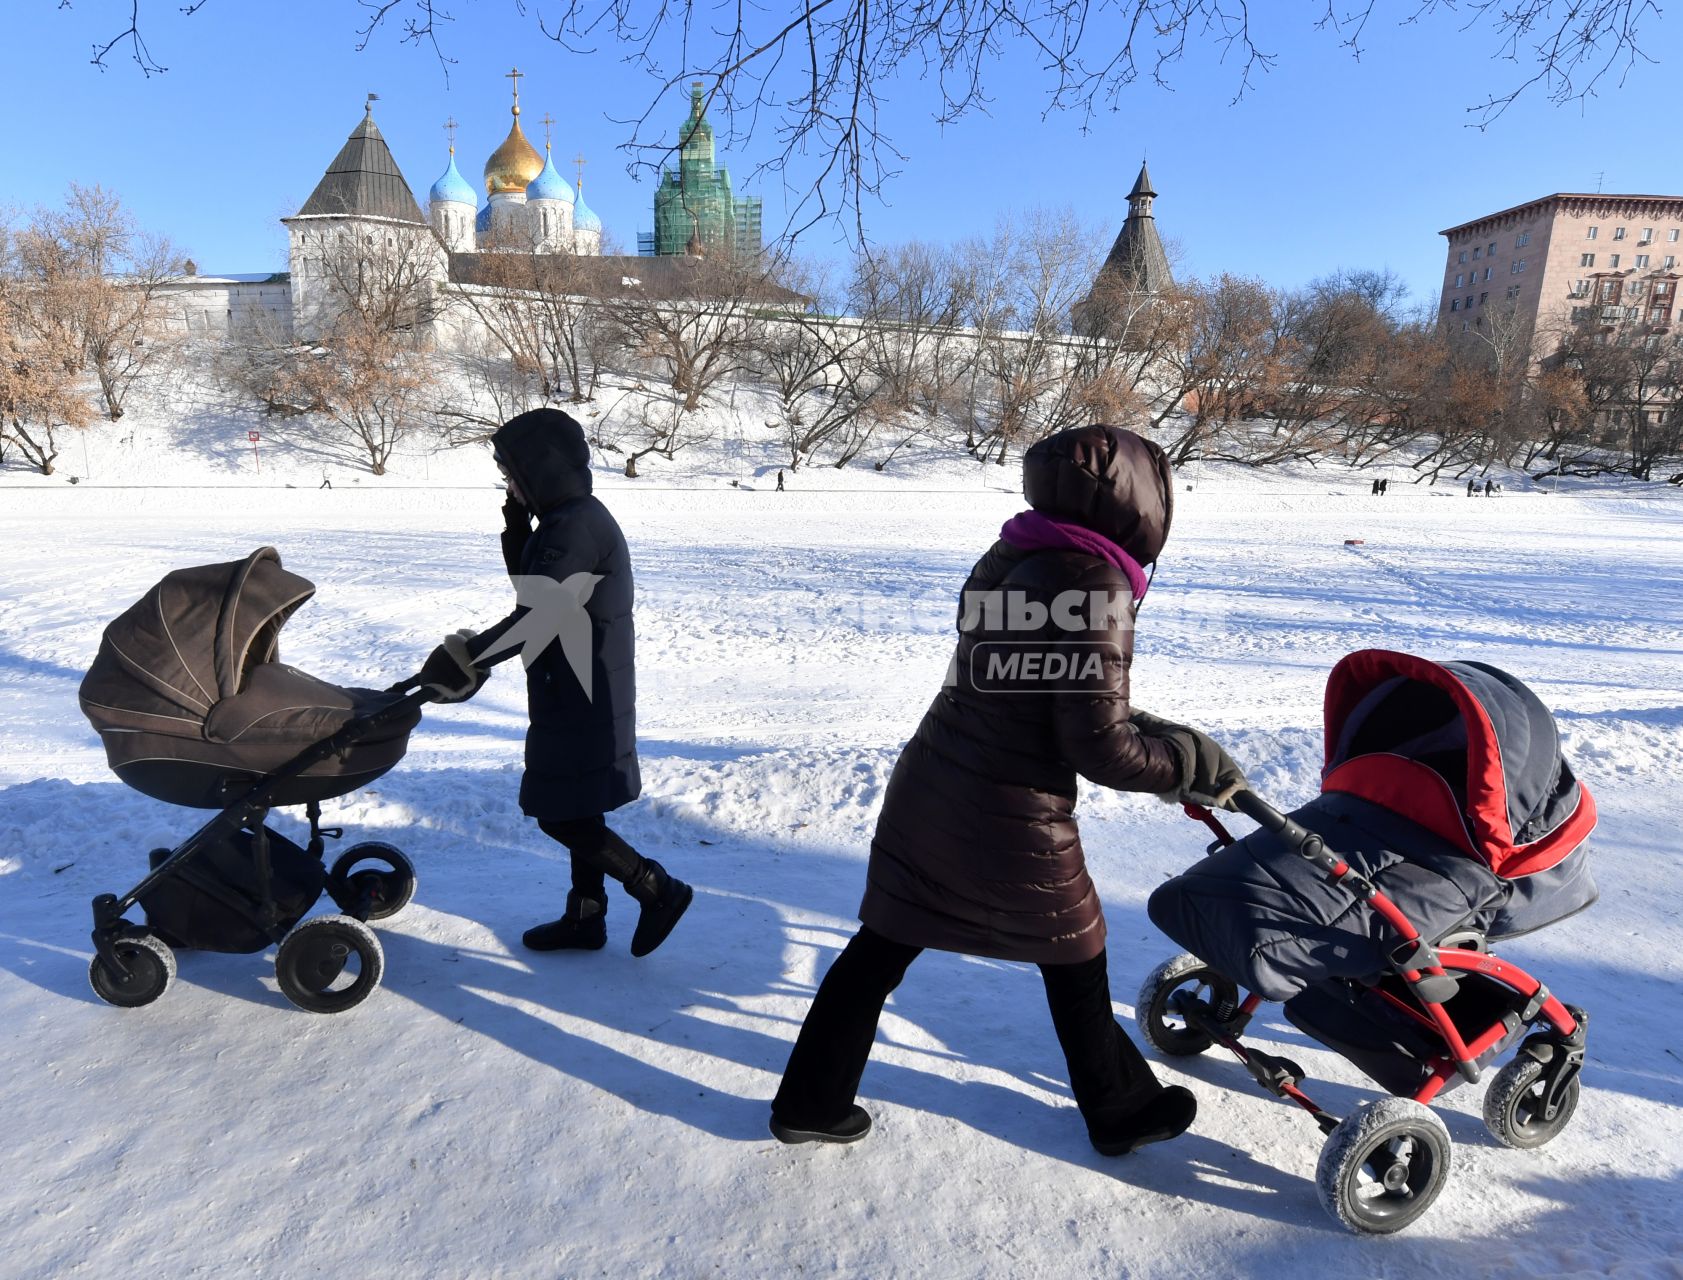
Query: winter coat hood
1106,479
547,455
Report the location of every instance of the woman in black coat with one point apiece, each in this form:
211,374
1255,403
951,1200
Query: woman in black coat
572,575
976,849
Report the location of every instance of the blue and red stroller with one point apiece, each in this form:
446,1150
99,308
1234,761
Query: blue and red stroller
1447,820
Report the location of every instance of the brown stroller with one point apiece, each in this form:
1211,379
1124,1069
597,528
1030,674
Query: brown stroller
195,708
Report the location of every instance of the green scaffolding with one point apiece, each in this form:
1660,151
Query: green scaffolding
696,200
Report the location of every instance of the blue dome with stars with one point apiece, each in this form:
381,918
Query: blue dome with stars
584,217
550,185
452,188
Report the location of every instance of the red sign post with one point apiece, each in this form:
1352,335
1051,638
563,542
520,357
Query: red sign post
254,437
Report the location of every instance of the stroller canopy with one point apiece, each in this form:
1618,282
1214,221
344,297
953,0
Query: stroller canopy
194,637
190,697
1463,749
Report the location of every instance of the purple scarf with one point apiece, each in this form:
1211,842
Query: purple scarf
1036,531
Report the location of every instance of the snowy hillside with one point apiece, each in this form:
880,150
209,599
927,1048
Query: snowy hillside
490,1112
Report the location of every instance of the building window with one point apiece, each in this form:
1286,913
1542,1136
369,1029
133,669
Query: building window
1662,289
1634,288
1513,291
1523,239
1590,233
1613,260
1463,257
1659,315
1669,262
1671,236
1481,298
1580,289
1633,313
1647,236
1609,290
1476,252
1458,279
1491,250
1618,233
1468,304
1518,266
1641,259
1586,259
1455,304
1487,273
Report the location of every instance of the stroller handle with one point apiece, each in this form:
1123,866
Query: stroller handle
1295,834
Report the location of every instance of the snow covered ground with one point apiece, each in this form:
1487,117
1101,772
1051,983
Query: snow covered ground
493,1113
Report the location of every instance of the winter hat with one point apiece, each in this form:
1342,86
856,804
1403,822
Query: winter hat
1107,479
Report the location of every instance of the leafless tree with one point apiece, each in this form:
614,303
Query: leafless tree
1223,369
105,278
912,299
696,341
365,361
42,390
814,74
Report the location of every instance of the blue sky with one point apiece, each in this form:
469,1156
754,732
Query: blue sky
1327,162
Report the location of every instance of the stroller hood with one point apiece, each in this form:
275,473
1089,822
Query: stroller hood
191,640
1461,748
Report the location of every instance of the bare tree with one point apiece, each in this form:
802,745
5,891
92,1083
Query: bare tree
106,278
367,365
1223,368
696,341
911,299
538,308
41,387
814,73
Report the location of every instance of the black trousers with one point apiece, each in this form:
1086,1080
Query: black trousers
596,853
1107,1074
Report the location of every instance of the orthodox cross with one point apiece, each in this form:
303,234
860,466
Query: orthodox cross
515,75
450,128
578,168
548,123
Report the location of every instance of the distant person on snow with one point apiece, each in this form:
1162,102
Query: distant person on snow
1472,487
976,849
780,481
581,749
1489,487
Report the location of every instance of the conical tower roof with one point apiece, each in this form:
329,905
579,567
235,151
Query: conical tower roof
1137,259
364,180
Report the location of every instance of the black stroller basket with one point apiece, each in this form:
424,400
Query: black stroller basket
195,708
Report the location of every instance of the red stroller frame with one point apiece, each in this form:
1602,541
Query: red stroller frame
1384,1165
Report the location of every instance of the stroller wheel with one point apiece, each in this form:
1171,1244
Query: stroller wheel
329,964
1164,1029
1515,1105
151,967
373,892
1383,1165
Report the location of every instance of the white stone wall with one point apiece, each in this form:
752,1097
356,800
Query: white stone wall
215,307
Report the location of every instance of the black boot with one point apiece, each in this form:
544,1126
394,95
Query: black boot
663,900
583,928
1164,1114
850,1128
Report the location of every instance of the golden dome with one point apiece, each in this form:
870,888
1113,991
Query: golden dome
513,165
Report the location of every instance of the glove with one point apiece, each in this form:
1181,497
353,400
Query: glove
1208,777
517,531
449,672
517,515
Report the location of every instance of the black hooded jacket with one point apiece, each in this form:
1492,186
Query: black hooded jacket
976,849
581,752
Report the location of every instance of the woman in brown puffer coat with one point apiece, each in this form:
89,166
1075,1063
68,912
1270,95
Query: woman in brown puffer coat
976,849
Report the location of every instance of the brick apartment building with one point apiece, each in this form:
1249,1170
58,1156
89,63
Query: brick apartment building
1542,267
